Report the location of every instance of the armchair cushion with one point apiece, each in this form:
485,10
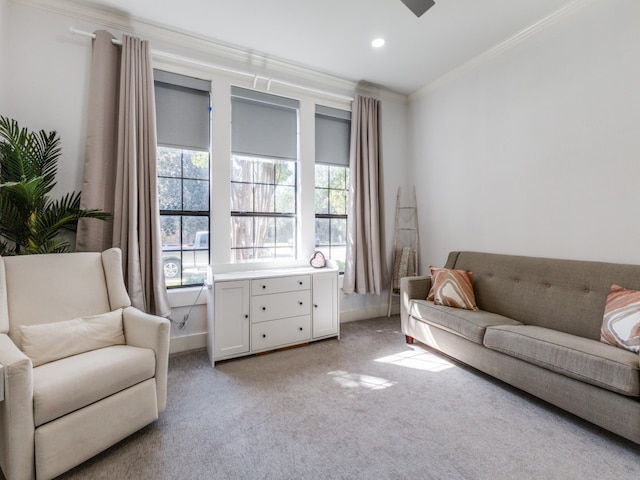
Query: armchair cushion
48,342
74,382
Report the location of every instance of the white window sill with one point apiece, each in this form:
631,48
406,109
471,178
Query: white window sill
185,297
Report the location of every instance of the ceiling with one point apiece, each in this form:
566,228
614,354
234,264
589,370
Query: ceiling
334,36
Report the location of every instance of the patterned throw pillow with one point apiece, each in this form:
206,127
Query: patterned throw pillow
621,322
453,288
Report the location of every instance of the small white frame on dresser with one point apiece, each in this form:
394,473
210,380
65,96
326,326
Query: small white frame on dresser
256,311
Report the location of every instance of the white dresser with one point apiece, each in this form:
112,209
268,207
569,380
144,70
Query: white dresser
257,311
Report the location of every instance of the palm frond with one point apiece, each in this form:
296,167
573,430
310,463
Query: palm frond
26,155
31,222
27,193
63,213
45,151
6,250
49,246
14,150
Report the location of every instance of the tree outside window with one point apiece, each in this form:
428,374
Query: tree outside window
263,209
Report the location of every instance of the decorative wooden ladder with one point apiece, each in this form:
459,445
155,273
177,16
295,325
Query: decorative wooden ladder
406,243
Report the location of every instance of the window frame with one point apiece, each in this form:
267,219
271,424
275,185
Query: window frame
332,216
181,130
265,128
186,213
333,127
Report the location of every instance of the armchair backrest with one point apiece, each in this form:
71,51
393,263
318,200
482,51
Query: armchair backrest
36,289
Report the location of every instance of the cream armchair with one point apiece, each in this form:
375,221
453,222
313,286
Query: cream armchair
83,369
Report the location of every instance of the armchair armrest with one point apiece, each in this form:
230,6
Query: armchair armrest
150,331
16,412
410,288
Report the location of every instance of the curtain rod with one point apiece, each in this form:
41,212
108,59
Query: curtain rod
180,58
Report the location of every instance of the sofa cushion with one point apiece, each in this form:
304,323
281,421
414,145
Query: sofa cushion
564,295
48,342
453,288
580,358
71,383
466,323
621,321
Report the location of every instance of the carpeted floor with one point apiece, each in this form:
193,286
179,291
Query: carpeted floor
367,406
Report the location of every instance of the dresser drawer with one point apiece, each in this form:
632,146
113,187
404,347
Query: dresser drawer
277,333
294,283
280,305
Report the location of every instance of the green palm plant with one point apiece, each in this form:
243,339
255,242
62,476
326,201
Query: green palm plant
30,221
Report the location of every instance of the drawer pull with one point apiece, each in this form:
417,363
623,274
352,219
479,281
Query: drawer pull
300,303
264,286
300,282
246,316
315,305
264,308
264,335
300,328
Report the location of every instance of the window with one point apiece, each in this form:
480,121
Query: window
183,112
264,177
333,128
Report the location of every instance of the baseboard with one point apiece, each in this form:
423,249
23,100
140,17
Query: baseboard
199,340
188,342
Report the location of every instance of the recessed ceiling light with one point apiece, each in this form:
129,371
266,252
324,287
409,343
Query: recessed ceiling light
377,43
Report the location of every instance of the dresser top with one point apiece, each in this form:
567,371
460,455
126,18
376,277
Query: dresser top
269,273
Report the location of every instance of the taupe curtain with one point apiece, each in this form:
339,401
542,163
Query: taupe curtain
132,179
98,184
365,269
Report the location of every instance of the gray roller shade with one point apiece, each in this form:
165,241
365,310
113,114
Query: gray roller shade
182,110
263,124
333,136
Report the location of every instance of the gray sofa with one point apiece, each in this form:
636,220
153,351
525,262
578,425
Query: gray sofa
538,329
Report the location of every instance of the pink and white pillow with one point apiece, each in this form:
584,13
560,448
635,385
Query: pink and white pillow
452,288
621,321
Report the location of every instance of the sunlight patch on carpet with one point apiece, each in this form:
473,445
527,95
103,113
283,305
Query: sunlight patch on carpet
418,359
357,381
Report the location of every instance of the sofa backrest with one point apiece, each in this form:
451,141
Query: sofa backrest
36,289
566,295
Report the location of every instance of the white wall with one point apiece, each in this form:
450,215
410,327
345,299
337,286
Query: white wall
536,150
48,90
4,46
47,86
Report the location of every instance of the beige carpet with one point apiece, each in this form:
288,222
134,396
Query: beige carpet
367,406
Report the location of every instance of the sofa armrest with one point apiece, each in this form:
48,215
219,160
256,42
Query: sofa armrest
16,412
150,331
410,288
416,287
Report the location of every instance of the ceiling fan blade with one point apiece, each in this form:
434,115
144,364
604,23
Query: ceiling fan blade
418,7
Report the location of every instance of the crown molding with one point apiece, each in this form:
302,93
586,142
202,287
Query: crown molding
209,50
502,47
